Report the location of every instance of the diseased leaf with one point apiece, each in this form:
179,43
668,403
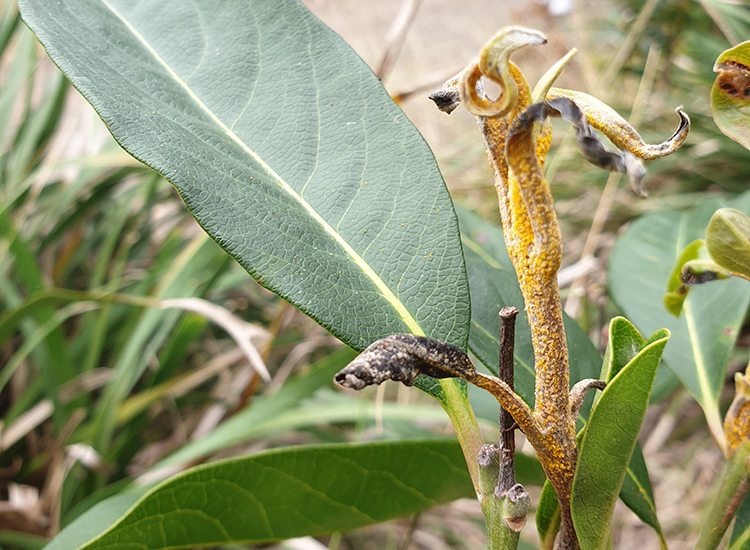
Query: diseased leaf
676,291
704,335
730,94
610,437
283,493
283,145
494,285
728,241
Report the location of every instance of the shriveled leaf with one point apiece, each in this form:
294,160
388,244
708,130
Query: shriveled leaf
286,493
730,94
689,253
610,437
728,241
703,337
605,119
283,145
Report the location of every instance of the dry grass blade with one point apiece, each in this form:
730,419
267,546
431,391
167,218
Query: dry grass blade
394,40
25,423
242,333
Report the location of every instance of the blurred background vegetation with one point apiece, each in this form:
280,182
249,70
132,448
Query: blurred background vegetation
103,382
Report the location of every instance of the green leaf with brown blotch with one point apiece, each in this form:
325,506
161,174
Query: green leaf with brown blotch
728,241
730,94
676,291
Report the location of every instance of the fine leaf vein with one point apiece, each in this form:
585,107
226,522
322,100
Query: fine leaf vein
364,266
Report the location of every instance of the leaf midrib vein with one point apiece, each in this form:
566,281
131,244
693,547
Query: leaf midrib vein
364,266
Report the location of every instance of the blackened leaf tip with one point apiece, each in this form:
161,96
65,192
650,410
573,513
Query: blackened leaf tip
402,358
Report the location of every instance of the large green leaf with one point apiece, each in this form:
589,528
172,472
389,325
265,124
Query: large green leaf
494,285
730,94
283,145
704,335
280,494
611,434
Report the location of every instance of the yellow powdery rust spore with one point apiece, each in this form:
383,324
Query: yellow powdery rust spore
737,421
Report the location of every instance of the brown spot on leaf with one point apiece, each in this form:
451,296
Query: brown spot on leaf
734,79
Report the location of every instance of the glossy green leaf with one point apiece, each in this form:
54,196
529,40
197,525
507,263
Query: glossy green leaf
547,517
728,241
730,94
610,438
494,285
740,539
286,493
625,342
704,335
283,145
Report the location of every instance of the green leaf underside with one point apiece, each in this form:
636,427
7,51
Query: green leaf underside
636,493
494,285
704,335
730,93
728,241
740,539
286,493
283,145
610,438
